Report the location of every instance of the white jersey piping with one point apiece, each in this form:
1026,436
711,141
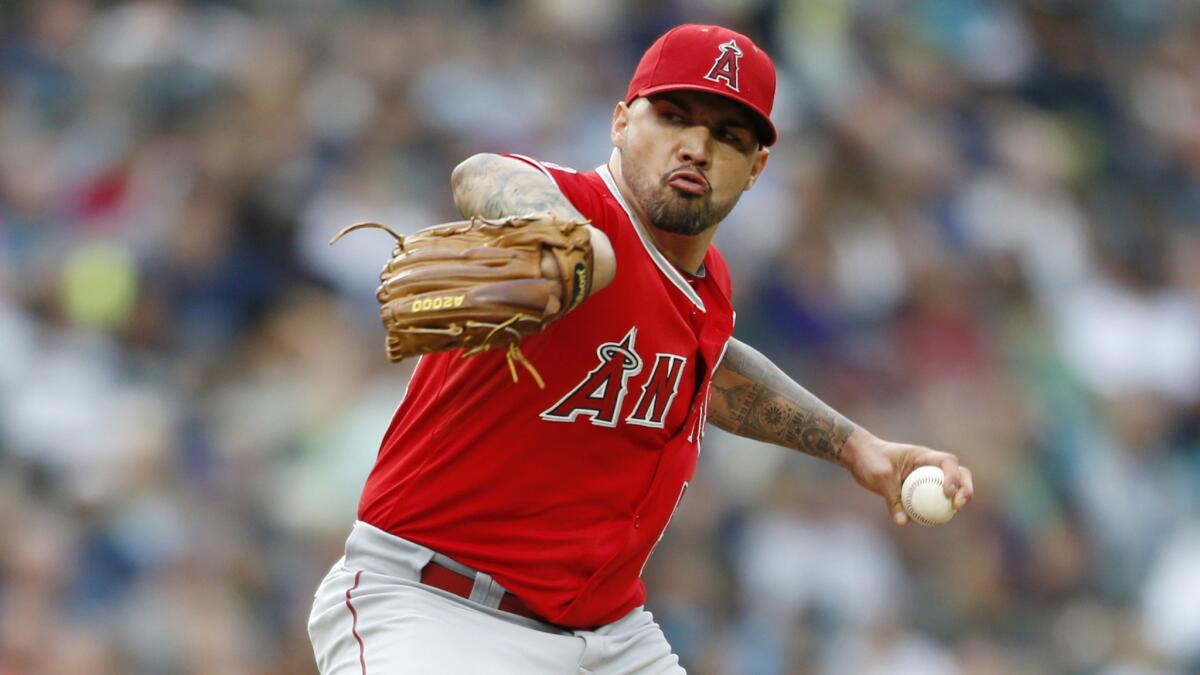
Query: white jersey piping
536,164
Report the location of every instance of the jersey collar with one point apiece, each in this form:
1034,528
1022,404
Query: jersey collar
673,275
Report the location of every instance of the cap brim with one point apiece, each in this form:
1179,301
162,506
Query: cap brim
766,130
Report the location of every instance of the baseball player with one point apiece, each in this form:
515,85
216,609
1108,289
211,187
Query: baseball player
504,527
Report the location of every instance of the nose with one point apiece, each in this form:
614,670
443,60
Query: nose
694,146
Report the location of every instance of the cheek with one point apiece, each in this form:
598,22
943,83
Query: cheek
732,181
650,145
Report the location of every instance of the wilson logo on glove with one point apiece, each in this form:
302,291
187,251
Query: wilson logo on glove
579,290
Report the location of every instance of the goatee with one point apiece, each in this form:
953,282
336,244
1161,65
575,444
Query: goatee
671,210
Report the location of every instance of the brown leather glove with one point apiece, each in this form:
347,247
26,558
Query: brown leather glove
481,284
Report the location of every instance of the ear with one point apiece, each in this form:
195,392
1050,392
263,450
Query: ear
620,122
760,163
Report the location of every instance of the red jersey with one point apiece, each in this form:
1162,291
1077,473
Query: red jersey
561,493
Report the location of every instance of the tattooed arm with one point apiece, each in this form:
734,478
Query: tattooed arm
491,186
752,397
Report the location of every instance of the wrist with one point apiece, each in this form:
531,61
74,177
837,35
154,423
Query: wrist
857,444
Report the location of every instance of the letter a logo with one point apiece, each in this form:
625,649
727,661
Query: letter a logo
600,393
725,68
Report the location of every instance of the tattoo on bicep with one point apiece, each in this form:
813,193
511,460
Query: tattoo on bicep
767,405
522,195
495,190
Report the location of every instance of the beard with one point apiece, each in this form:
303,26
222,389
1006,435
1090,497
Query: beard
669,209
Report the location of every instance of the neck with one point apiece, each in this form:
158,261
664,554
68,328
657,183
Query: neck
683,251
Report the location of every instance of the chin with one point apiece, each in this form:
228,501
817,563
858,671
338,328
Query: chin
686,196
689,228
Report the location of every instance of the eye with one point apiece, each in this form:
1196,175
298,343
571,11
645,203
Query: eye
671,116
732,136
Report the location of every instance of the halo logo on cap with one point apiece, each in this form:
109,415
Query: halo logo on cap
725,67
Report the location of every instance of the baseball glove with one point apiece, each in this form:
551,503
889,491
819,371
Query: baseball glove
481,284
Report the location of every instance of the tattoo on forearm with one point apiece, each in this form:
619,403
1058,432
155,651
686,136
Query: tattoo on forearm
754,398
493,187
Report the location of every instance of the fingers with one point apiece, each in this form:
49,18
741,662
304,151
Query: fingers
550,267
949,464
959,486
965,491
892,496
901,460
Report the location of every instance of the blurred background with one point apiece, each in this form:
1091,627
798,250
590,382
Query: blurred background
980,231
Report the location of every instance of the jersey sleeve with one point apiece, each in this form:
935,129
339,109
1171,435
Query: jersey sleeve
583,194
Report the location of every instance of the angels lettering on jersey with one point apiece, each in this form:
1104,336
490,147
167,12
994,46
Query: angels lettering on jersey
601,393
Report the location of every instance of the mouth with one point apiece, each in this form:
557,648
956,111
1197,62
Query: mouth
688,182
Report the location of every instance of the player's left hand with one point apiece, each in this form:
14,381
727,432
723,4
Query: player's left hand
481,284
881,466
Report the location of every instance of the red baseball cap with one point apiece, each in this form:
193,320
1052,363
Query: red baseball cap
711,59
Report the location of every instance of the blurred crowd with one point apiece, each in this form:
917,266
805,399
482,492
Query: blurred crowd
979,231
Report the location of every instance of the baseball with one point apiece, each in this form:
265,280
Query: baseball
923,499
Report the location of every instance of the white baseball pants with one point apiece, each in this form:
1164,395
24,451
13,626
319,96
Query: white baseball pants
371,616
